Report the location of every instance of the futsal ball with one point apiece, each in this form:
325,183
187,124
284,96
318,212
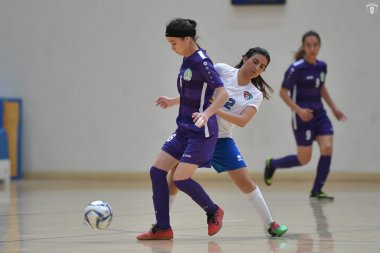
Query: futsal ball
98,214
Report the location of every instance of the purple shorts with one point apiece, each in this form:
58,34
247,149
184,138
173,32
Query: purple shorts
191,149
306,132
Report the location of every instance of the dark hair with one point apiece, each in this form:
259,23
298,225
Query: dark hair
180,27
258,81
300,54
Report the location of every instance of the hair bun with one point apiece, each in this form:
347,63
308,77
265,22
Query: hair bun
192,22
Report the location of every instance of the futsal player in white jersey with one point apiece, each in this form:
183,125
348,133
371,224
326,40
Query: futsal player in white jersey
246,90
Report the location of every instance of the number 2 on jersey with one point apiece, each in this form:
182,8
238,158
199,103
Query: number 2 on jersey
229,103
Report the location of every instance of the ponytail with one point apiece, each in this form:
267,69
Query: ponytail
300,54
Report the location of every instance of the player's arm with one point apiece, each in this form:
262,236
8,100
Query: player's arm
218,101
304,113
212,78
201,118
165,102
284,94
337,112
238,119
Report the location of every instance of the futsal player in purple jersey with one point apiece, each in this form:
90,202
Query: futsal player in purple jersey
302,90
192,144
246,90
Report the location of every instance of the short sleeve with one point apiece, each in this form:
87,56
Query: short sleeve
290,78
219,68
256,101
224,70
209,74
322,72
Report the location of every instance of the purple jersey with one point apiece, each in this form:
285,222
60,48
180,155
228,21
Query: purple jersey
304,81
197,80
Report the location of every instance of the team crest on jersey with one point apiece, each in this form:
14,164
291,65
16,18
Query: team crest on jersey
323,76
247,95
187,75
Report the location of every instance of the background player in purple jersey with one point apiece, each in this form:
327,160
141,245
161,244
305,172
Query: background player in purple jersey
192,144
246,89
305,81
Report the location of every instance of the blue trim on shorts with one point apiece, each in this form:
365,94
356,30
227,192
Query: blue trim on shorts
227,156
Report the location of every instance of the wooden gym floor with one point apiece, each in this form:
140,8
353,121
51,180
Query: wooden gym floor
46,216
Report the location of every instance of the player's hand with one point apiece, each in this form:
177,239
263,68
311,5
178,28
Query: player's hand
164,102
339,115
305,114
200,119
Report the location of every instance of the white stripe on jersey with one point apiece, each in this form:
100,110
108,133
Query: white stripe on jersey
298,62
207,133
201,54
294,119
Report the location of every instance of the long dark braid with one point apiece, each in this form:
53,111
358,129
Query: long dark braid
258,81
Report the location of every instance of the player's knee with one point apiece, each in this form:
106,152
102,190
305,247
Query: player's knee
327,150
157,173
303,160
179,184
245,184
247,187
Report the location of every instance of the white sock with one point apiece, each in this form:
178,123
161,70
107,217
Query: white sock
258,202
171,201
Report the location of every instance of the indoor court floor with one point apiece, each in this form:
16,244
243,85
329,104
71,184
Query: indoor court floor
47,216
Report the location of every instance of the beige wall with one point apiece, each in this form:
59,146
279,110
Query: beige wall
89,70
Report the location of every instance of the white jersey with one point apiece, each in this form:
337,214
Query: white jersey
239,97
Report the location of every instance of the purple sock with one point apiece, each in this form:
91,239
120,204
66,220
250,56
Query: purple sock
196,192
285,162
160,191
323,170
